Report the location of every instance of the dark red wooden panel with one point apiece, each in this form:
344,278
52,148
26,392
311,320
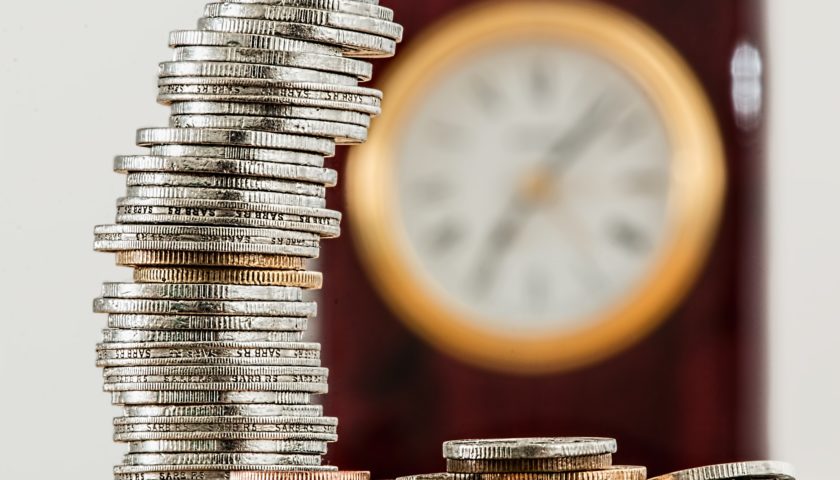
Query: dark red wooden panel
691,393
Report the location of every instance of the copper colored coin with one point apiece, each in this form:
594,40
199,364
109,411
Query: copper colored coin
209,259
230,276
535,465
612,473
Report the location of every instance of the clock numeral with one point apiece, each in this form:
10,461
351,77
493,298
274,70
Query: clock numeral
628,236
486,94
445,236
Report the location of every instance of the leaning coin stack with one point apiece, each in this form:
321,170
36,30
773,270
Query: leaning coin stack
204,349
559,458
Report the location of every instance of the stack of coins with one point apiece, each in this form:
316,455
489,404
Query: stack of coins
761,470
204,349
559,458
573,458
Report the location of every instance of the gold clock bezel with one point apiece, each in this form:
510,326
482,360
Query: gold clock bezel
697,184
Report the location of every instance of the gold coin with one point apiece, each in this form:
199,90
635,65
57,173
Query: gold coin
536,465
133,258
235,276
611,473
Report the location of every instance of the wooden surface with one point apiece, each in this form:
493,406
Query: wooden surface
690,394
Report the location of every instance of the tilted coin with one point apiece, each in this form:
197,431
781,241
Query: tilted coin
247,196
342,133
206,322
360,69
515,448
222,216
341,475
180,38
262,110
120,336
357,44
308,447
206,239
219,459
244,138
556,464
307,16
198,291
206,307
354,7
246,74
611,473
259,410
302,279
137,258
727,471
178,471
304,95
215,166
218,397
225,152
179,179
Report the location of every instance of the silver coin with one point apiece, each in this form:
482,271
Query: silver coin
342,133
228,420
360,69
218,397
205,307
120,336
198,291
294,248
284,212
354,7
516,448
246,74
246,196
166,179
727,471
177,471
265,410
307,16
312,388
357,44
299,95
214,234
306,447
213,166
181,38
245,138
237,153
206,353
205,374
237,432
205,322
262,110
219,459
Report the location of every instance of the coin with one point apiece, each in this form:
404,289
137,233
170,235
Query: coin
342,133
228,152
518,448
726,471
610,473
219,459
259,410
302,279
263,110
179,471
229,446
557,464
210,259
218,397
245,74
231,432
180,38
205,307
120,336
340,475
207,322
179,179
198,291
245,138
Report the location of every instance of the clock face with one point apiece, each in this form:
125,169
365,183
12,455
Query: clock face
533,186
542,187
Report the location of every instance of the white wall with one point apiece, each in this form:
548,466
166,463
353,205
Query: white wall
804,298
79,76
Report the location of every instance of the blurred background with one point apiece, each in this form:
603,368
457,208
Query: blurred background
607,218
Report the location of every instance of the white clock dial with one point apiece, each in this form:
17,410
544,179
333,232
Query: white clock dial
533,186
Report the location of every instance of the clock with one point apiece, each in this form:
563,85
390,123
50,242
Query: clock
543,187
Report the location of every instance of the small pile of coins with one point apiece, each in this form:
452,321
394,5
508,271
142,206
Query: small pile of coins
573,458
204,349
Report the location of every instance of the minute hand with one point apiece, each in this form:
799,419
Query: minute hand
567,150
